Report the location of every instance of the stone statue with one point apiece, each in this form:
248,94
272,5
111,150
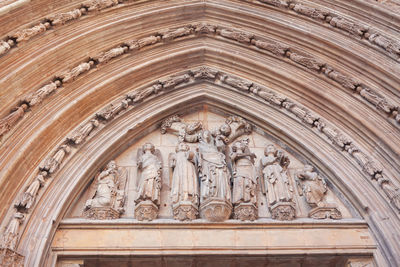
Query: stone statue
107,201
72,74
11,234
215,196
149,165
184,184
52,163
314,189
10,120
28,198
80,134
233,127
37,97
276,184
244,177
6,45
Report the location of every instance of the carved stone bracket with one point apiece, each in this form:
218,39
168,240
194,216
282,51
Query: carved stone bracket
216,210
101,213
283,211
185,211
245,212
146,211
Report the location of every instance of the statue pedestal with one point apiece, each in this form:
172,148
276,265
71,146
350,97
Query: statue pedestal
216,210
101,213
10,258
325,212
245,211
185,211
146,211
283,211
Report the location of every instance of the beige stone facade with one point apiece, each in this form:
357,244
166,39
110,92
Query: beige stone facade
199,133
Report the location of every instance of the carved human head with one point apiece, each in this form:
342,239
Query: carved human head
112,165
182,147
270,149
148,147
225,129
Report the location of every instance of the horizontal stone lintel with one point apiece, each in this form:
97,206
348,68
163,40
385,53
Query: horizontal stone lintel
123,237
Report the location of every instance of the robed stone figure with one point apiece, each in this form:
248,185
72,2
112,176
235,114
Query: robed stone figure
244,176
276,183
184,185
149,166
215,178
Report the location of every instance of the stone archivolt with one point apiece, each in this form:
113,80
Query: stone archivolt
177,127
300,58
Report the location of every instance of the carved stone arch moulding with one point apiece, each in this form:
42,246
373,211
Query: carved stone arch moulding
92,129
299,58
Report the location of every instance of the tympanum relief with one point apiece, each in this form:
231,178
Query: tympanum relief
206,167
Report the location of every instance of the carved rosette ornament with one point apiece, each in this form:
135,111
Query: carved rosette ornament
108,197
314,188
276,184
149,164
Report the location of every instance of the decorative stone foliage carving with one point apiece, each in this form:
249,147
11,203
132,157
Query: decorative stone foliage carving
276,184
314,189
149,164
184,183
108,199
244,176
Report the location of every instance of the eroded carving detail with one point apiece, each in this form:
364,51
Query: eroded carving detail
309,11
137,44
171,34
239,36
113,109
314,189
139,95
204,73
5,46
306,60
185,132
276,185
276,48
108,199
236,83
377,100
184,185
386,43
149,164
348,25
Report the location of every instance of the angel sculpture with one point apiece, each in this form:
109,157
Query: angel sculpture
244,181
184,184
109,194
276,185
149,165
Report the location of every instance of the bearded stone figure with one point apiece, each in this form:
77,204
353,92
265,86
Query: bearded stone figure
184,184
314,189
276,184
215,179
244,181
149,173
